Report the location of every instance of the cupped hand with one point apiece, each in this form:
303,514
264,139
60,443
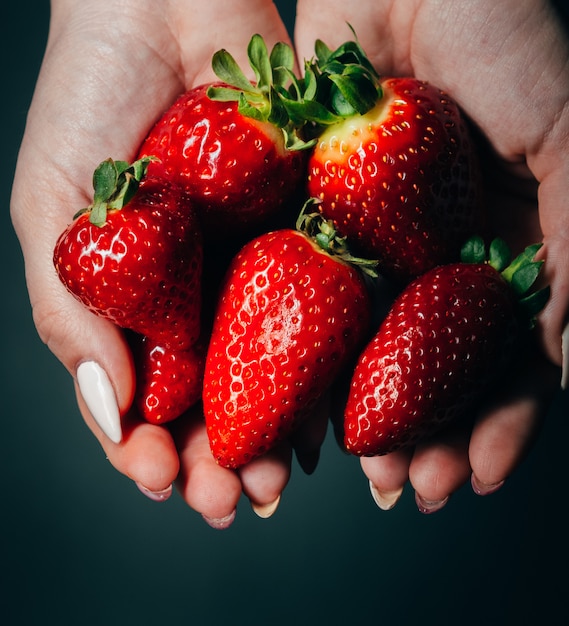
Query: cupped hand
507,65
110,69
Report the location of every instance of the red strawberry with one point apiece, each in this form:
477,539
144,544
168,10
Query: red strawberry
394,165
225,146
289,317
135,256
169,381
447,338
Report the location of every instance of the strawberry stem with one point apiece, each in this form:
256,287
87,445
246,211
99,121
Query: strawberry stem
325,235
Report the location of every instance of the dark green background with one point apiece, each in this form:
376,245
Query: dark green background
81,546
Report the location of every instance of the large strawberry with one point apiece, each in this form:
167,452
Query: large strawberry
169,381
445,341
394,165
135,255
289,317
230,145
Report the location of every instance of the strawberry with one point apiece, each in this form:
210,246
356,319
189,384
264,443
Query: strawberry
229,145
169,381
394,166
447,338
291,313
135,255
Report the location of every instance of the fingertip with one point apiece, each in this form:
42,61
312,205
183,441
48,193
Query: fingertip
148,456
265,478
207,487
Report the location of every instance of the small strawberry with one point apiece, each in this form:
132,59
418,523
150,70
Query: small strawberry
290,315
135,255
169,381
394,166
229,145
447,339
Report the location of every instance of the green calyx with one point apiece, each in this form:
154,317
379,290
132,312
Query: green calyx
114,184
344,80
336,84
325,235
521,273
265,99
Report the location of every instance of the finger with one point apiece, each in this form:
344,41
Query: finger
328,20
387,476
507,428
208,488
440,466
147,454
234,29
309,437
553,322
265,478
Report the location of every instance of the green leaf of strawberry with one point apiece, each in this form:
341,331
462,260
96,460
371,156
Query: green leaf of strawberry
520,273
114,184
266,99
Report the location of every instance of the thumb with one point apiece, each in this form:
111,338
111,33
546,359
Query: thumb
553,322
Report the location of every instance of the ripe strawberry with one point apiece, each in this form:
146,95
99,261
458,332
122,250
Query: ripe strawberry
447,338
169,381
289,317
229,146
394,165
135,256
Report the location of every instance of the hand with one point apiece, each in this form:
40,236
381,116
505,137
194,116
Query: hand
507,66
110,70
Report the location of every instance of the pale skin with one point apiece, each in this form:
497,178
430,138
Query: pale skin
111,68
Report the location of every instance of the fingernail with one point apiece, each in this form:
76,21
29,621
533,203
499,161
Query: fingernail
266,510
565,358
156,496
429,506
484,489
385,500
100,398
220,523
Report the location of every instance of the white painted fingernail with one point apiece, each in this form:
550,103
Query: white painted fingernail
100,398
565,358
385,500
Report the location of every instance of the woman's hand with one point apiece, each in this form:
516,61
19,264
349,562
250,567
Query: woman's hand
507,65
110,69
